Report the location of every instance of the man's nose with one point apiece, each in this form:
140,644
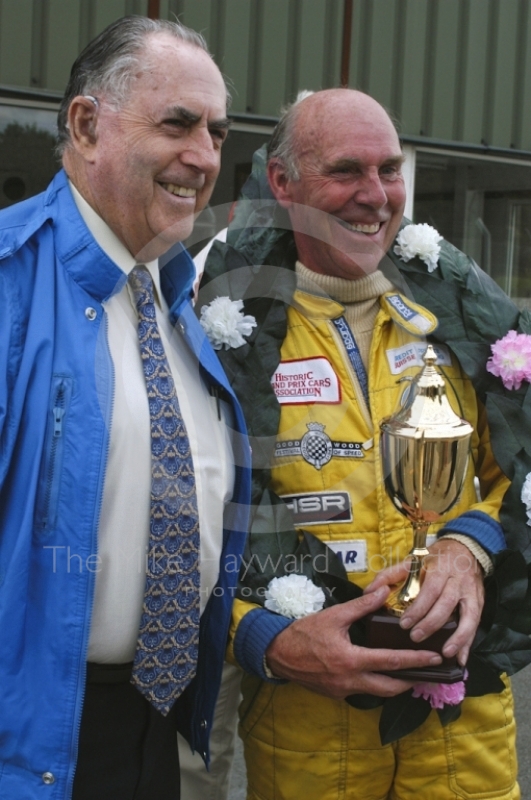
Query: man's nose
370,191
200,151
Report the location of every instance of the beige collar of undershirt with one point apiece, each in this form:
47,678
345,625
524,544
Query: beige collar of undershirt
370,287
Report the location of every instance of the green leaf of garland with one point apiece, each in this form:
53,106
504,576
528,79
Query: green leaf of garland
449,713
401,715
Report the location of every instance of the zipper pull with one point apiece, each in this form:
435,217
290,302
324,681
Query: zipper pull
58,414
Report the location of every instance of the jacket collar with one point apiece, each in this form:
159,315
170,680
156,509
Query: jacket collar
177,275
75,246
91,267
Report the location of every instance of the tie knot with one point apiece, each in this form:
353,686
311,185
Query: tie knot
141,285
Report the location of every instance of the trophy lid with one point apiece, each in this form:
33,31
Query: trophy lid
427,412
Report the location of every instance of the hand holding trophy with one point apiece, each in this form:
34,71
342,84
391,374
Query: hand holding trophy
424,450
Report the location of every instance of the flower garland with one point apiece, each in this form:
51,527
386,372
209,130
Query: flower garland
225,324
511,359
473,312
294,596
440,694
419,241
526,497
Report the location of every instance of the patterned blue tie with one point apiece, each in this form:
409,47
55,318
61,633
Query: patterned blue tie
166,653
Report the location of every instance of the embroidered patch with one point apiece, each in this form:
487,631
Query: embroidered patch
409,315
310,380
317,448
352,554
410,355
315,508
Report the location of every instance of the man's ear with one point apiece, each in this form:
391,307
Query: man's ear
82,117
279,182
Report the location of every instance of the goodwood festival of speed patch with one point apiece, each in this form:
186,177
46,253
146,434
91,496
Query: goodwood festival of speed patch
317,448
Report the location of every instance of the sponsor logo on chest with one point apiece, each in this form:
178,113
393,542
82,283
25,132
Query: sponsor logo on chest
352,554
316,508
317,448
410,355
409,315
309,380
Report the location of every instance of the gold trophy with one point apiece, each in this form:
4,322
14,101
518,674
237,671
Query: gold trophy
424,450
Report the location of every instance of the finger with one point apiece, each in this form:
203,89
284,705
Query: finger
461,640
466,594
382,660
384,685
430,595
346,613
390,576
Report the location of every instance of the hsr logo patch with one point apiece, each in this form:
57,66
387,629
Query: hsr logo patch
316,508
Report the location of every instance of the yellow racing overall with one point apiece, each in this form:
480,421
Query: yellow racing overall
303,746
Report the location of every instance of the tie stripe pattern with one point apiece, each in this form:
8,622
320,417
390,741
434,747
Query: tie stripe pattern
166,654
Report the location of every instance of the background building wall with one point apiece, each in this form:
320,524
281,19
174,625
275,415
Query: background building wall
455,70
455,74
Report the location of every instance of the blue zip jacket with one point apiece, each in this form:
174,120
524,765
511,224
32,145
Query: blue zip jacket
56,395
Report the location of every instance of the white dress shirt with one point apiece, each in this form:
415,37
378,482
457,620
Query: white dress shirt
124,522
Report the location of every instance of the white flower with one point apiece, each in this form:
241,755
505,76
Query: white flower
225,324
294,596
419,240
526,496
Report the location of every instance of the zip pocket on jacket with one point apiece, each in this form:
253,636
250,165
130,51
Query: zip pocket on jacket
52,456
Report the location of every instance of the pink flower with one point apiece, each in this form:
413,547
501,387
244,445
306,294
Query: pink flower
438,694
511,359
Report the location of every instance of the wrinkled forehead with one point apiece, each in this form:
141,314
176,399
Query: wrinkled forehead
175,73
349,130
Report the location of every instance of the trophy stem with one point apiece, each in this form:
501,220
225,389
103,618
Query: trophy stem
402,597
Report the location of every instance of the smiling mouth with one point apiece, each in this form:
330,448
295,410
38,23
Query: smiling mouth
374,228
178,191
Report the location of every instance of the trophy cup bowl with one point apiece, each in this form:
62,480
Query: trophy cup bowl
424,449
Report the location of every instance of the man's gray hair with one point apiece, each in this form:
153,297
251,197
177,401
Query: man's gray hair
108,63
282,143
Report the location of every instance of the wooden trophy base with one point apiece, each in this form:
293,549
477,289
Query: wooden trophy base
383,631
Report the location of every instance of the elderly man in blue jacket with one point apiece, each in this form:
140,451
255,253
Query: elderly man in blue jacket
120,437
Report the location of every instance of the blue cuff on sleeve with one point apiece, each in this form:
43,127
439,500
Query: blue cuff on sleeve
255,632
480,527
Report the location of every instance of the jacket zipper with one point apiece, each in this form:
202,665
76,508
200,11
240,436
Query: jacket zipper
58,413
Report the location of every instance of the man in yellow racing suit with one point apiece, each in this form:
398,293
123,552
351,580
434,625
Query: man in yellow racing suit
352,345
300,744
